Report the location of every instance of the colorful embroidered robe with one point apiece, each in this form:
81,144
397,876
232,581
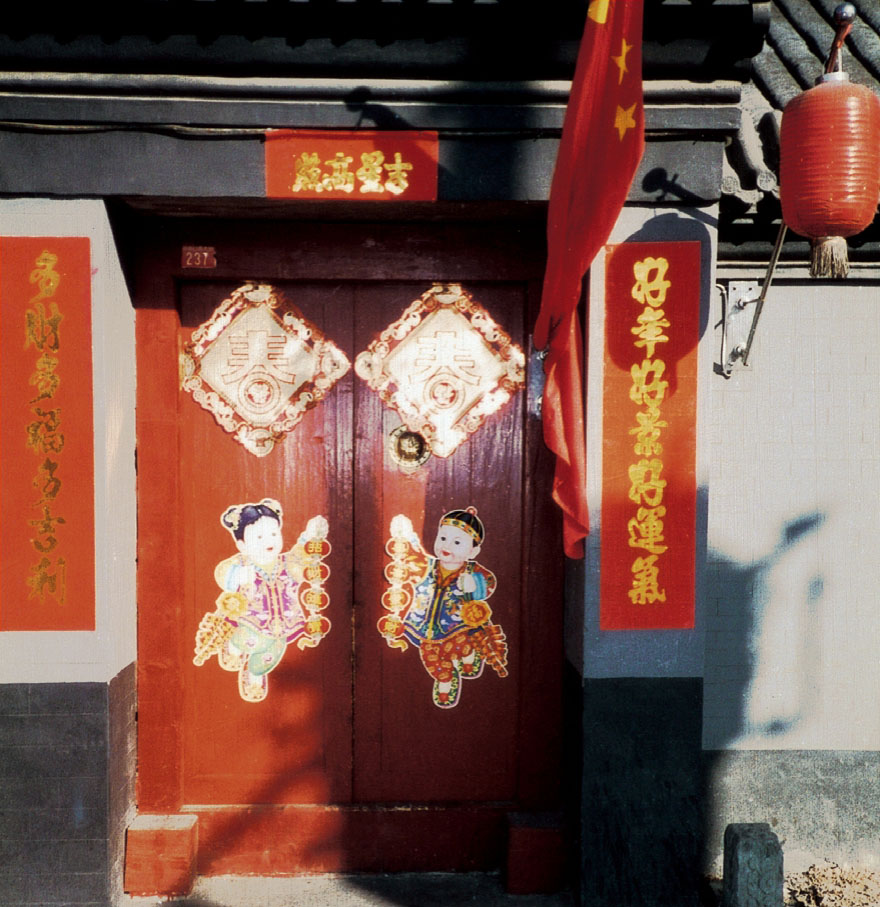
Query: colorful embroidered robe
436,610
273,607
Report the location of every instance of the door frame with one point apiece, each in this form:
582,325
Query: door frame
157,268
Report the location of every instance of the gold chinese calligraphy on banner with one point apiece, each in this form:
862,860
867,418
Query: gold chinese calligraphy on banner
366,165
46,435
649,428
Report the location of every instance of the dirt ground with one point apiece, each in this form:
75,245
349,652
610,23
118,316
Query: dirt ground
405,890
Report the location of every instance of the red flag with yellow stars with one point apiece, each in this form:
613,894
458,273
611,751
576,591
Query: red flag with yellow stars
603,138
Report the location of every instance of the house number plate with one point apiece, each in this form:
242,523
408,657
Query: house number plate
198,257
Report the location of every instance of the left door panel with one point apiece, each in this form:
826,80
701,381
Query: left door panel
295,745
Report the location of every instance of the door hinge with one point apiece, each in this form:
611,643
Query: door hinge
535,379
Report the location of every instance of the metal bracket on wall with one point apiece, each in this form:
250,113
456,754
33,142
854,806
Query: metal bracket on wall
738,315
735,345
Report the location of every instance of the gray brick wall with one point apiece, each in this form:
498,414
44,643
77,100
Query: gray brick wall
66,790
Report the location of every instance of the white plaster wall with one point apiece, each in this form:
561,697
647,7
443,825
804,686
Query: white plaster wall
44,657
793,582
642,653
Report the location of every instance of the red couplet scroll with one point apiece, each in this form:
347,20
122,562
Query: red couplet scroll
649,490
47,499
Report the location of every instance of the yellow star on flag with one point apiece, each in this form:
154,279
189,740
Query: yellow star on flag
624,120
620,61
598,11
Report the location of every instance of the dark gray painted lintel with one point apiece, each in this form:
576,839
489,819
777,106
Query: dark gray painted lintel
496,92
358,110
135,163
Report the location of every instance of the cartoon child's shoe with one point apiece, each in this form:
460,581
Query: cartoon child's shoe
470,670
252,688
229,660
447,699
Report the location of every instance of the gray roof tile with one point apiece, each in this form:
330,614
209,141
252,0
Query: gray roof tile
800,36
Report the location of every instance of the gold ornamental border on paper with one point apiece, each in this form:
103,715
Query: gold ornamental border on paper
443,393
306,363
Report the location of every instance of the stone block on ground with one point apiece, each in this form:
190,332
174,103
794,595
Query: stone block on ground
753,874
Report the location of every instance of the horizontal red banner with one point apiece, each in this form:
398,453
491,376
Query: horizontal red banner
47,534
649,492
364,165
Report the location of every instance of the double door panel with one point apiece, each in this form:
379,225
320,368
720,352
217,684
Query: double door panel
348,727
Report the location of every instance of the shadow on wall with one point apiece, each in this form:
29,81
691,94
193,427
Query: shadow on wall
649,820
655,796
760,651
761,681
473,166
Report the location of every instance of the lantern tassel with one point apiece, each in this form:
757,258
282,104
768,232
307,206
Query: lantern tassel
828,257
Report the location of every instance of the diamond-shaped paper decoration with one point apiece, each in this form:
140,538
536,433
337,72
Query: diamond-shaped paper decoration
258,372
444,366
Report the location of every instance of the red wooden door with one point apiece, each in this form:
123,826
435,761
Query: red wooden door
347,763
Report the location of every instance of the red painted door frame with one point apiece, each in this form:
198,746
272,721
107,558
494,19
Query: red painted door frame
367,831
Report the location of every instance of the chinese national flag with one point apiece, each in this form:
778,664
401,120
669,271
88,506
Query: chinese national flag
602,143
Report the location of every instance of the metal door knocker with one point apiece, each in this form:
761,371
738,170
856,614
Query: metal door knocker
408,448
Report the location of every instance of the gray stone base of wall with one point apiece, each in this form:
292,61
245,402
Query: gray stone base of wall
641,793
655,806
67,761
822,804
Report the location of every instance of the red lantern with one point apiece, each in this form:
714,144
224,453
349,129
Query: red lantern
829,169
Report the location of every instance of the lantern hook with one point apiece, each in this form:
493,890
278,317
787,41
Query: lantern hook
771,267
737,334
844,17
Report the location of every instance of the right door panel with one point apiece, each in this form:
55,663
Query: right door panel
406,748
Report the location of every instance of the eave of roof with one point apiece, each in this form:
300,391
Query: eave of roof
477,39
793,57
